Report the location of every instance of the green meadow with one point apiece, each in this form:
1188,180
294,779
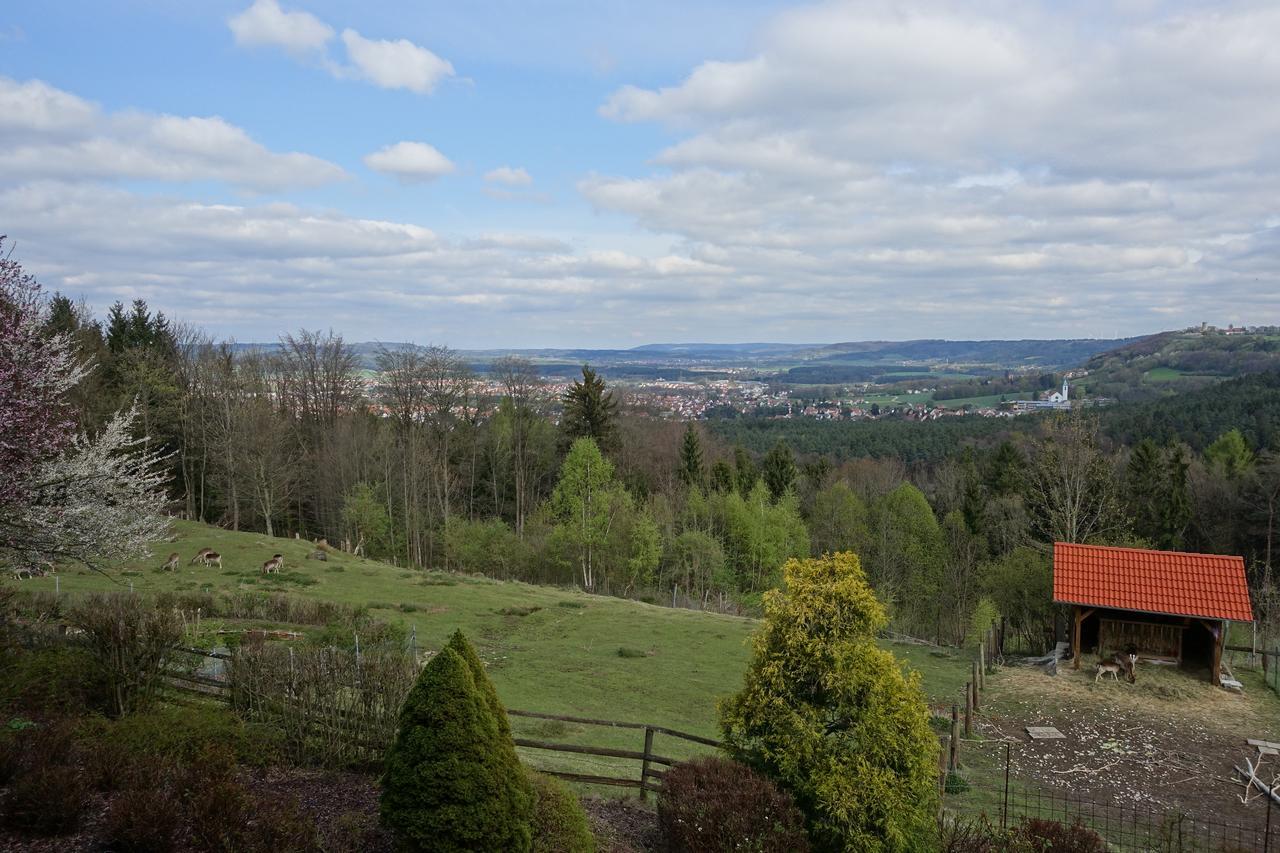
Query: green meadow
548,650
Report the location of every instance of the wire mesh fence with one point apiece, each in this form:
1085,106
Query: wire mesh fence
1009,804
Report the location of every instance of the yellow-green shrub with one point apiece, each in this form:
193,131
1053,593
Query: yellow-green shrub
832,718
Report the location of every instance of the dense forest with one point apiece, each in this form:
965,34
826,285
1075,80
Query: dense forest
428,464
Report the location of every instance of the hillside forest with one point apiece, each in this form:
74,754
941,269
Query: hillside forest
423,463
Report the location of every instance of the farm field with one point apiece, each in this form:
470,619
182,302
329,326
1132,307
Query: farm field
548,650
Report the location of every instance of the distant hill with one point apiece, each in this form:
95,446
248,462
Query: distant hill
1046,354
1176,362
815,363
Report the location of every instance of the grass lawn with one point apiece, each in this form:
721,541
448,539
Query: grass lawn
562,657
1162,374
988,400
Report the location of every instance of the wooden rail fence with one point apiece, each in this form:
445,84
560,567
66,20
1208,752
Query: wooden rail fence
195,686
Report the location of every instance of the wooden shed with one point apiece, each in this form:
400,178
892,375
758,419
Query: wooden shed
1173,606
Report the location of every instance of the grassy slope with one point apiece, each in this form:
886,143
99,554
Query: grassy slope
560,659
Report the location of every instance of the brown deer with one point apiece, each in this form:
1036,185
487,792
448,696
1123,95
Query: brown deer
211,558
200,555
275,564
171,565
1115,665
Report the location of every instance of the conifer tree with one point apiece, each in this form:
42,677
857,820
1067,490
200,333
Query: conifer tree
590,412
460,644
452,781
779,470
690,470
831,717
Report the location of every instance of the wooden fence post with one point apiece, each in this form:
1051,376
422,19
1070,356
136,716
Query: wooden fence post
954,762
982,666
976,681
970,691
644,764
943,769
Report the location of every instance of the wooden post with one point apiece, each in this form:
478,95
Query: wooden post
1077,618
975,678
644,764
954,763
970,693
943,765
982,666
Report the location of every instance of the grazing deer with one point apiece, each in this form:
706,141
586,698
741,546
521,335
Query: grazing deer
19,571
211,558
1115,665
171,565
200,555
275,564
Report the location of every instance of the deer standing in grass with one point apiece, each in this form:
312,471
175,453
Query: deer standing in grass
200,555
211,558
275,564
171,565
1115,665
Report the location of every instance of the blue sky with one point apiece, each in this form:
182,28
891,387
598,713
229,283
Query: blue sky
568,174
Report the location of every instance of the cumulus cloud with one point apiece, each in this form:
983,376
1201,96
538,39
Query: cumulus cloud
265,24
50,133
387,63
410,162
977,159
398,64
511,177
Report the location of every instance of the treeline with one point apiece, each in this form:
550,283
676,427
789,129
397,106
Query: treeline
425,465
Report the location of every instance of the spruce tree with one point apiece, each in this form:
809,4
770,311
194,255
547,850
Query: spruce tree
779,470
460,644
452,781
690,470
745,471
590,412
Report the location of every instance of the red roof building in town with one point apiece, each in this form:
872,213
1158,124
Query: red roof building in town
1169,605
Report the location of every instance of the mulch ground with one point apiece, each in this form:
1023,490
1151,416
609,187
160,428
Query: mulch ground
1167,742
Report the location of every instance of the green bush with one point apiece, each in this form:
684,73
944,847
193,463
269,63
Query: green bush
172,735
713,805
559,823
831,717
54,680
452,781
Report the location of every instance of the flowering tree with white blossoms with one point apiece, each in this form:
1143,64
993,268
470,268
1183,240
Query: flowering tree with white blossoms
64,496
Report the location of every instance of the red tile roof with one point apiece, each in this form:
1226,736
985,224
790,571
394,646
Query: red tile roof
1209,586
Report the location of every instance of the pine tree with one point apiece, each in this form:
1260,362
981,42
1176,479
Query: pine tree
590,412
746,474
721,477
690,470
832,718
452,780
779,470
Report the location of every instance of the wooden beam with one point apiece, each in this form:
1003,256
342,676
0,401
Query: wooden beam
1077,618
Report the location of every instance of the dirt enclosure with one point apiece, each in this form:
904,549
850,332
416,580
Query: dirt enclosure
1166,742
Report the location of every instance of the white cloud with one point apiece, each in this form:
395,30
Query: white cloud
410,162
50,133
398,64
265,24
387,63
512,177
